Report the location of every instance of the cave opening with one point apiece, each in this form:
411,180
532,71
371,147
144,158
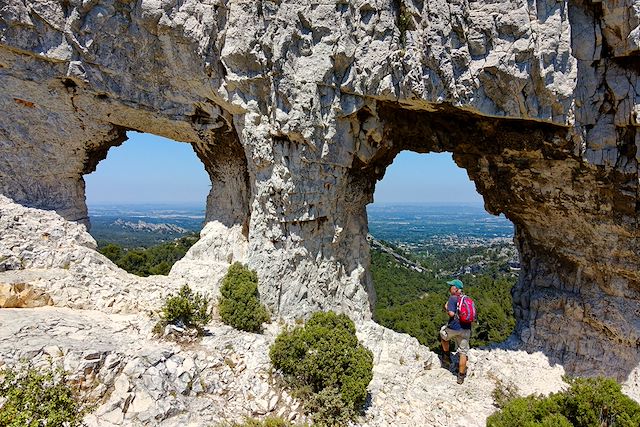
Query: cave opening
147,202
428,225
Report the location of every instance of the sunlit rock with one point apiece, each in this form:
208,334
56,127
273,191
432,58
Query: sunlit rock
296,109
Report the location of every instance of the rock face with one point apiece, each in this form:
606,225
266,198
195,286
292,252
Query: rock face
100,332
134,380
296,109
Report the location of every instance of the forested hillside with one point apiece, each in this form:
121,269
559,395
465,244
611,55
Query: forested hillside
148,261
412,302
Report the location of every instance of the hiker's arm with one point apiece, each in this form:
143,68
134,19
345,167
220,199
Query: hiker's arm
450,308
446,308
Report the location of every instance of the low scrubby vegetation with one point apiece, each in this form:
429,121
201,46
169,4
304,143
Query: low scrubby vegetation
503,393
267,422
35,399
239,304
325,366
144,262
588,402
187,309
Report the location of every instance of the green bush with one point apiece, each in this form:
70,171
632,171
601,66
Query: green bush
267,422
329,408
588,402
112,251
326,366
239,304
37,398
186,309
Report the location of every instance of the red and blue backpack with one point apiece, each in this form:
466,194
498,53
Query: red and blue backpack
466,310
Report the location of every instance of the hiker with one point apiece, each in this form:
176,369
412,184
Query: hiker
460,332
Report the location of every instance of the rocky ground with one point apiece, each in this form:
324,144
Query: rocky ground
296,109
95,321
134,379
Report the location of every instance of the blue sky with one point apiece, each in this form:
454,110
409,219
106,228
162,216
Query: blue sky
148,168
425,178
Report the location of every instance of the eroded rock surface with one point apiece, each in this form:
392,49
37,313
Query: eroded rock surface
135,380
296,109
100,332
42,251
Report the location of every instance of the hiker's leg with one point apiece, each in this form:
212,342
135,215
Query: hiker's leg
464,349
462,368
444,339
444,342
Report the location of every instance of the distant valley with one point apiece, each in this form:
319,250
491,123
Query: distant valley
433,225
144,225
414,227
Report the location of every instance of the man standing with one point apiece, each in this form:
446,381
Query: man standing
459,332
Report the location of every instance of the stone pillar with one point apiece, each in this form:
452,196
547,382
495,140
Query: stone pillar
307,236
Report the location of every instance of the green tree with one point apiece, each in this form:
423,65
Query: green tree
112,251
588,402
411,302
187,309
324,362
135,261
35,399
163,268
239,303
153,260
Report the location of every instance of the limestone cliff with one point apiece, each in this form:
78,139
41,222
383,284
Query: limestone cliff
297,107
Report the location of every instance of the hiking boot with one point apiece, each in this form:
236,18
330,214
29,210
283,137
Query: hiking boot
446,360
461,377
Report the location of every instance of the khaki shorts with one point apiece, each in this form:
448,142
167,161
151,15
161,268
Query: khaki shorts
460,336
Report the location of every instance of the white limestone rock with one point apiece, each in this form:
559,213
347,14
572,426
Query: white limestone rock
138,380
46,253
297,108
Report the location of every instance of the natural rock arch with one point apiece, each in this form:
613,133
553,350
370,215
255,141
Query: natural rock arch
225,164
296,109
529,172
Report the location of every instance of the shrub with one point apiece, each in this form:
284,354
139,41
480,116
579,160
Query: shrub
592,401
588,402
328,408
326,366
503,393
35,399
267,422
187,309
239,304
112,251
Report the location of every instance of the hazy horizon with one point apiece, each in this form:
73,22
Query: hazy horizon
197,203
